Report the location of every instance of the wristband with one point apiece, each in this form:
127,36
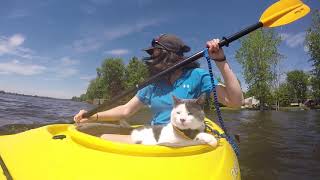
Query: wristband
220,60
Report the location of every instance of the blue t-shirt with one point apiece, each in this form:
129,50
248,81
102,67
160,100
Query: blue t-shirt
158,97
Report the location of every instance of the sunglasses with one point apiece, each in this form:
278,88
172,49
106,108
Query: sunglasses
156,42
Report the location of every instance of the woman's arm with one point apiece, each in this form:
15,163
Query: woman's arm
229,94
114,114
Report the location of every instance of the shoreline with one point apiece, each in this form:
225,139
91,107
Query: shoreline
280,109
28,95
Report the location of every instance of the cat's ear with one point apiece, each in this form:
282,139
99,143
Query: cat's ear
176,100
202,99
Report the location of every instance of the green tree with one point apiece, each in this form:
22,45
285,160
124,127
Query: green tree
112,76
136,72
83,97
297,83
313,44
258,56
282,94
91,90
315,85
94,90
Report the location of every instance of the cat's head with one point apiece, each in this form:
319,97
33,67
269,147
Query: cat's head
188,113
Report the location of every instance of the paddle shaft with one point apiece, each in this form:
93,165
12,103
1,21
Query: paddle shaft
224,42
5,170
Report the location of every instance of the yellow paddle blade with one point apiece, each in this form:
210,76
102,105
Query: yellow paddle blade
283,12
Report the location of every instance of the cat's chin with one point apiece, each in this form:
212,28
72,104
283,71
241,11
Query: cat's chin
183,126
180,126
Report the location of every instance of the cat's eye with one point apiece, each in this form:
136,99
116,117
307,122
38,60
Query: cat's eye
178,112
189,114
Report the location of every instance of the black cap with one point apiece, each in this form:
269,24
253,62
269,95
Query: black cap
169,42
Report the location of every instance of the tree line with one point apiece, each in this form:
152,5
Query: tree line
260,60
114,77
259,57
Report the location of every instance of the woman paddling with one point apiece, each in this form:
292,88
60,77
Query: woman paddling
186,83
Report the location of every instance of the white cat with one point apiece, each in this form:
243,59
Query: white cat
186,124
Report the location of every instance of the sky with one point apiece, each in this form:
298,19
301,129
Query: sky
53,47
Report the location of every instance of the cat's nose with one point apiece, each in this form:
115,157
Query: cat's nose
182,120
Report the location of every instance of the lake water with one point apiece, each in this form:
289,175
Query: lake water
274,145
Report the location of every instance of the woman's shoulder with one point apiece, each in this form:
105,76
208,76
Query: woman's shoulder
147,88
198,72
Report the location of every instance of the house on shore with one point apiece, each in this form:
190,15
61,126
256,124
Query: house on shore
251,102
97,101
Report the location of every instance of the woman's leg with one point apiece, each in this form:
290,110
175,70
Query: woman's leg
117,138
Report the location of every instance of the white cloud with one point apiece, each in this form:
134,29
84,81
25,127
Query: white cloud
8,45
117,52
13,46
63,68
18,13
67,61
293,40
16,40
16,67
66,72
109,34
87,78
86,44
123,30
91,6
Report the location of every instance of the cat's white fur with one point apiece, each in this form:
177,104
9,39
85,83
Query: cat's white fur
146,136
181,118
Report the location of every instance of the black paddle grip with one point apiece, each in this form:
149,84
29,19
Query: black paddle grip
226,40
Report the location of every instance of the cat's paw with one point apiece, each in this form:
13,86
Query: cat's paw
142,137
207,138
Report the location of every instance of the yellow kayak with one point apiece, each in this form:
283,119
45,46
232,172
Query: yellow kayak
62,152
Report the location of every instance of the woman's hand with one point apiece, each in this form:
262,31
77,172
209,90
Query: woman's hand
215,52
78,118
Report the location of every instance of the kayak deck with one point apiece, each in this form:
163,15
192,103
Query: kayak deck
63,152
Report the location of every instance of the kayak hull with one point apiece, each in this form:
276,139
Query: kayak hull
62,152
